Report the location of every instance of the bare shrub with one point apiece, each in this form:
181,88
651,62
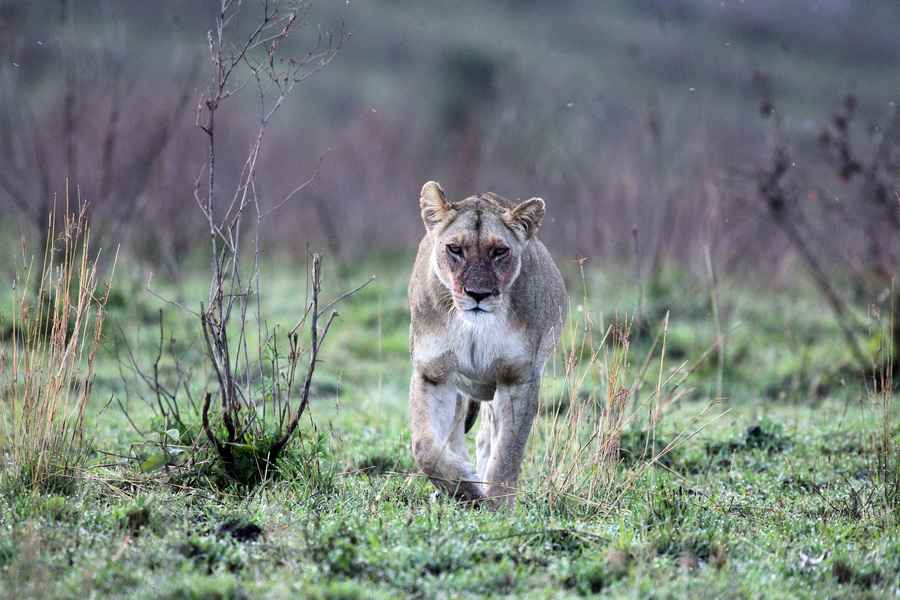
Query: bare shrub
859,197
261,388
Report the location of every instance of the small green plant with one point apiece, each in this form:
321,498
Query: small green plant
137,515
48,372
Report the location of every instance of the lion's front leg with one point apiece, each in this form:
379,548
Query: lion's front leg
483,440
437,421
513,411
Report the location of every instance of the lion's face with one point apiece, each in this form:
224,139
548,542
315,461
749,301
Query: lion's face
478,246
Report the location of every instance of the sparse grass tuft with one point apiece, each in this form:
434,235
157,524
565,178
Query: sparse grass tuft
602,436
48,370
887,453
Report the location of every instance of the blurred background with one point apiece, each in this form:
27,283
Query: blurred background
662,133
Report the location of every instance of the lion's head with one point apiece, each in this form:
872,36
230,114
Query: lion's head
478,245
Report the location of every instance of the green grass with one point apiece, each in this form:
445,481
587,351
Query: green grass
777,497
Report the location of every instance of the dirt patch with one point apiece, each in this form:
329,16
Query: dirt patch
239,530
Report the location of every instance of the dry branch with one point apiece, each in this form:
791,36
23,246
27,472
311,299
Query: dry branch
234,291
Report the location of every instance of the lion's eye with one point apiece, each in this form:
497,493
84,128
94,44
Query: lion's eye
454,250
500,252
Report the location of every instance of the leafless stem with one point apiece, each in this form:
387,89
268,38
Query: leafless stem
316,340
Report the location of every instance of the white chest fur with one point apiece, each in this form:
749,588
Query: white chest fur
477,343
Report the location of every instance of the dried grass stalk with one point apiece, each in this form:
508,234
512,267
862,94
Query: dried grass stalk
48,372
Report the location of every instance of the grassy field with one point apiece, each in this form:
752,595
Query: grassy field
703,430
773,490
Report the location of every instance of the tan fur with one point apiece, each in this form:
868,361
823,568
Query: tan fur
487,305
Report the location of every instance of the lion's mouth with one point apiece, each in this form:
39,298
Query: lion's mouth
468,307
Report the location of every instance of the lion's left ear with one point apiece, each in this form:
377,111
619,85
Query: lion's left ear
526,217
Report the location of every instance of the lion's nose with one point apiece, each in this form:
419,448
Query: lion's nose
479,294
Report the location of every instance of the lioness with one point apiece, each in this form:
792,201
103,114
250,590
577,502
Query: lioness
487,305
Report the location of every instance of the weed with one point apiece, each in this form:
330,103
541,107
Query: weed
887,454
50,373
596,445
591,576
138,515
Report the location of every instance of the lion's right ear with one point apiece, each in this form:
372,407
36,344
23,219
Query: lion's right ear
526,217
435,207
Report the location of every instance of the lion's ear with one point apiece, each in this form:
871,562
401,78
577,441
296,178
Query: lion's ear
526,217
435,207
